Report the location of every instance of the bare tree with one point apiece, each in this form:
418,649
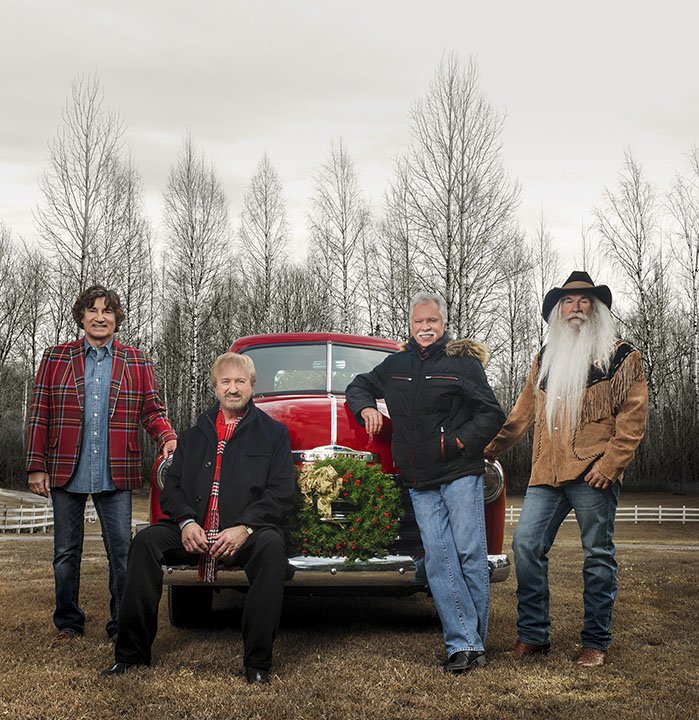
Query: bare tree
546,269
15,325
196,218
77,186
126,254
338,221
302,303
60,294
33,277
513,342
460,198
399,256
12,296
589,259
369,299
91,220
515,337
628,227
683,205
263,234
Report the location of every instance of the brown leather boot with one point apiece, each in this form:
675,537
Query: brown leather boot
592,657
522,649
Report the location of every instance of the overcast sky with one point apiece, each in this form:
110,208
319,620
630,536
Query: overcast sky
579,83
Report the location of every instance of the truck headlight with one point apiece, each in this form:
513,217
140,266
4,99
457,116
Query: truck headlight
162,471
494,480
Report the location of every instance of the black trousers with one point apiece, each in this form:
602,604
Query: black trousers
263,557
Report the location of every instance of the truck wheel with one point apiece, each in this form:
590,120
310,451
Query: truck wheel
189,606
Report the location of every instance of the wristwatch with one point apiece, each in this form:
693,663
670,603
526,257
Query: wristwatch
248,529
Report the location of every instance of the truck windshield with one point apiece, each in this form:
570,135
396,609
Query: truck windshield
304,368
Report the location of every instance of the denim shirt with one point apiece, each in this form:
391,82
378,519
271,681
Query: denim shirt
92,474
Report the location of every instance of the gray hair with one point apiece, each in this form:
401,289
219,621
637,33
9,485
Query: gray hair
422,298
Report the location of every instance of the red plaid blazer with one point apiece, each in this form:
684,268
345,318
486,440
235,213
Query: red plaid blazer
54,428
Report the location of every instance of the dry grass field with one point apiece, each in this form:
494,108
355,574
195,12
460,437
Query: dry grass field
342,658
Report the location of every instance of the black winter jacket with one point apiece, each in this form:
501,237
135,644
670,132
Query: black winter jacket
257,483
433,400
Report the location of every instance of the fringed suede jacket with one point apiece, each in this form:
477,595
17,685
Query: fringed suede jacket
433,395
611,426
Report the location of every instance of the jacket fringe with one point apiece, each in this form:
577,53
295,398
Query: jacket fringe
597,403
605,398
630,372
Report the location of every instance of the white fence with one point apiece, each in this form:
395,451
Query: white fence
633,514
33,517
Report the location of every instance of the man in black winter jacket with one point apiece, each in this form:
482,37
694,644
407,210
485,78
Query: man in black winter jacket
443,413
231,483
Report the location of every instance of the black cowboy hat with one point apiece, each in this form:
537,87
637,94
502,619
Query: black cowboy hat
578,282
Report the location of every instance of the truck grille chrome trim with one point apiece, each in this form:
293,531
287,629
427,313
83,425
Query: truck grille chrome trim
333,420
326,452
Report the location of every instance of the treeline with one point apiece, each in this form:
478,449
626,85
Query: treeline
447,222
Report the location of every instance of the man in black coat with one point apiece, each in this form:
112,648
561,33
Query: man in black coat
230,485
443,413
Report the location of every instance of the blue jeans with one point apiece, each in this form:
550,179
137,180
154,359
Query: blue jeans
451,518
544,509
114,512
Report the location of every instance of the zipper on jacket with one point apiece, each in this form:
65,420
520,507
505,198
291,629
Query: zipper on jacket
416,392
441,442
401,377
441,377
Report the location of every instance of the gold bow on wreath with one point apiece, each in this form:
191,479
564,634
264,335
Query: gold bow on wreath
323,482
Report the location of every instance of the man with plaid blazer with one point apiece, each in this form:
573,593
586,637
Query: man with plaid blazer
89,397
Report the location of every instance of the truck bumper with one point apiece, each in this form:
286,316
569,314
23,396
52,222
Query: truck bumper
398,572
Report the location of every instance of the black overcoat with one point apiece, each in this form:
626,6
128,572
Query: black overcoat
257,483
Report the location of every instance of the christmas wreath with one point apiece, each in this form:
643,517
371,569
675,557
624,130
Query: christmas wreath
370,504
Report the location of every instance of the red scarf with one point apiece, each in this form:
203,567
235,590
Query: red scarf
208,566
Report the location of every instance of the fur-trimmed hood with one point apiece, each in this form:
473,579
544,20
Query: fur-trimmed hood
470,348
463,347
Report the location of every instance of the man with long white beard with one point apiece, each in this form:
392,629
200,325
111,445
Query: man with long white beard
587,397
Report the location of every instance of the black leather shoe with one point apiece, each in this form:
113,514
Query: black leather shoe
257,675
465,660
119,668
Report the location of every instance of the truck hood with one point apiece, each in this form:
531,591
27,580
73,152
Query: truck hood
325,421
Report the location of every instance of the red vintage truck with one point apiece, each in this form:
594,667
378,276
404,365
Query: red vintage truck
301,380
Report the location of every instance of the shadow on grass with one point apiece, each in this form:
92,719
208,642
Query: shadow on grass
333,615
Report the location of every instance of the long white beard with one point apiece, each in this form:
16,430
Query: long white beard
571,349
